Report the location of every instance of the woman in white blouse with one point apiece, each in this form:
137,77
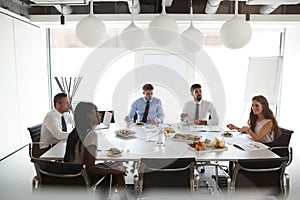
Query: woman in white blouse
82,147
262,125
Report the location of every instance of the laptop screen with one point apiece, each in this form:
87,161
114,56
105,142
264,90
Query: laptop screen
107,118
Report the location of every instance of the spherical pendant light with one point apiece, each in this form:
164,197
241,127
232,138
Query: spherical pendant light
191,39
132,37
235,33
163,29
91,31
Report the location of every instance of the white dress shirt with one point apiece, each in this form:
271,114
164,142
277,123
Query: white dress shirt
51,131
206,108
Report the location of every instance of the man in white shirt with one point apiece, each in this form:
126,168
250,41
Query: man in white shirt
199,111
55,123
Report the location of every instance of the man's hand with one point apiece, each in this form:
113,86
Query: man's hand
183,115
127,119
153,121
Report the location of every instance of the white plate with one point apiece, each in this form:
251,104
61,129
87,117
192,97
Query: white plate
150,128
125,133
186,137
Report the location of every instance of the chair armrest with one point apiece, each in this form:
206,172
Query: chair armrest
289,149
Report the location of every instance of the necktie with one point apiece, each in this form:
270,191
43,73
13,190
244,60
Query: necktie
63,124
146,112
197,112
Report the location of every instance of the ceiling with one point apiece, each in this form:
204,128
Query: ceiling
29,8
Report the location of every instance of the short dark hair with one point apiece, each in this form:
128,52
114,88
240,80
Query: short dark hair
148,87
194,86
58,98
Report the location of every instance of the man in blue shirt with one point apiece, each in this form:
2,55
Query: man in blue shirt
148,108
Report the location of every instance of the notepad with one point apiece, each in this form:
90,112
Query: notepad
251,146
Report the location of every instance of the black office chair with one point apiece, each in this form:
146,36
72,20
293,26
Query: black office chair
281,146
267,176
170,173
102,116
56,173
35,133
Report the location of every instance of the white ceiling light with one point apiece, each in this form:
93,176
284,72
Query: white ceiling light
236,32
163,29
132,37
191,39
91,31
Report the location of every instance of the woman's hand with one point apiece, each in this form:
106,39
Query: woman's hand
233,127
244,129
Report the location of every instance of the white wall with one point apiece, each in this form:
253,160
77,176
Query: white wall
23,81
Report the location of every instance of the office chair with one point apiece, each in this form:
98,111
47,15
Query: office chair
266,175
35,133
281,146
54,173
170,173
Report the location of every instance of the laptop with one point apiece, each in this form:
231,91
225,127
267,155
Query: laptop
106,121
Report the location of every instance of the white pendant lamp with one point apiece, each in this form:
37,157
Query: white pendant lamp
132,37
91,31
191,39
236,32
163,29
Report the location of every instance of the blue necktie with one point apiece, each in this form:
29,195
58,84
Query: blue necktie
63,124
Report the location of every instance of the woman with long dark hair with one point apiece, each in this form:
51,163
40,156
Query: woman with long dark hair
82,145
262,125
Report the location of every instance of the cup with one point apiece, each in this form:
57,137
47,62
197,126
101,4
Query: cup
161,138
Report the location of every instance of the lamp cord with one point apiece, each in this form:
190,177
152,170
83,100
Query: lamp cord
91,8
132,10
191,11
163,6
236,7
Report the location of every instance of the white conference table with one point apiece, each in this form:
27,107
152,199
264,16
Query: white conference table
137,147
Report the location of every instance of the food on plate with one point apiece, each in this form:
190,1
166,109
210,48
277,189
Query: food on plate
198,145
114,151
140,123
209,143
179,136
227,134
169,130
220,143
125,132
